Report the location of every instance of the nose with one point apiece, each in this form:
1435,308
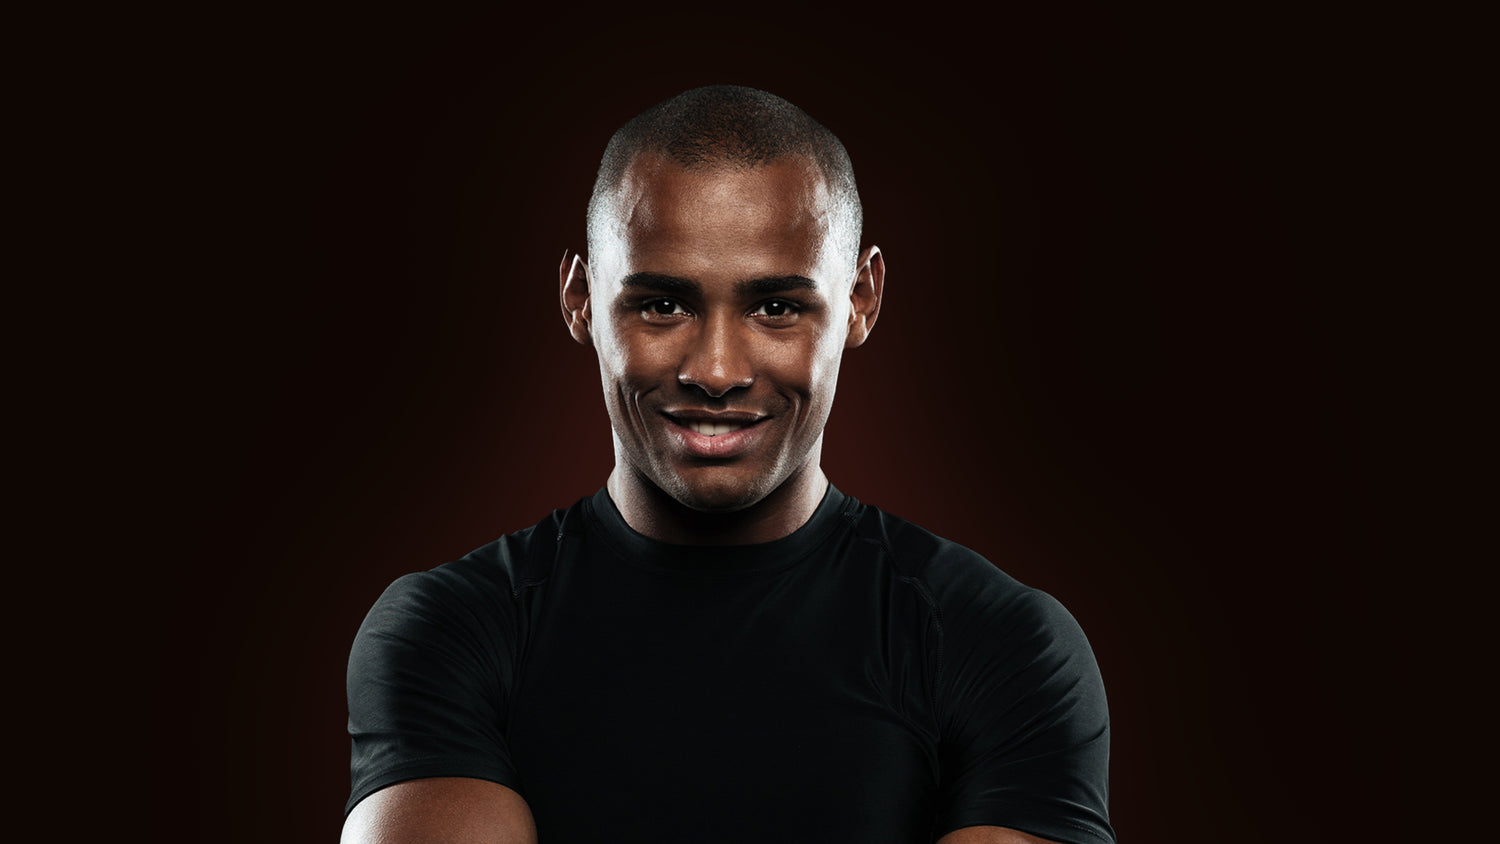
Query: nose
717,360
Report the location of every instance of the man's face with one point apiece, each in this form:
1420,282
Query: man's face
720,320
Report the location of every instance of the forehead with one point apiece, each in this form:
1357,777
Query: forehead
767,219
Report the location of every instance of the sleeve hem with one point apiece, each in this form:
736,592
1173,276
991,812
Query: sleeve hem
1063,830
470,769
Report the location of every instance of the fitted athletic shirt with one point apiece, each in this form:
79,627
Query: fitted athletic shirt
859,680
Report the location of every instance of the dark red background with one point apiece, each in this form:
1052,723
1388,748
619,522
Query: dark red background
1109,356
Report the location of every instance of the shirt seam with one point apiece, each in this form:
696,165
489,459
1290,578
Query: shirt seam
917,582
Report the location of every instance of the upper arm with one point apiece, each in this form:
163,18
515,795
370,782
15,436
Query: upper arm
440,811
1025,725
427,688
990,835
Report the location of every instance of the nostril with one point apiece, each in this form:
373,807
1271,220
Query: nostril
715,383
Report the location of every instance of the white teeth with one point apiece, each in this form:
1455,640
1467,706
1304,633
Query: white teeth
712,429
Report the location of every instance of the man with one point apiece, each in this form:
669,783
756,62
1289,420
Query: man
720,645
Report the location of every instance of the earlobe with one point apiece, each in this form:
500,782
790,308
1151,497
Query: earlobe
574,294
865,295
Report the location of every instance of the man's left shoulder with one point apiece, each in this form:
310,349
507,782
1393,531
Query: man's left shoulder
963,586
941,564
1018,698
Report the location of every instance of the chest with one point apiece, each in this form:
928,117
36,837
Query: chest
792,705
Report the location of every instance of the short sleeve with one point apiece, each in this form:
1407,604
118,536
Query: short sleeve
426,684
1024,721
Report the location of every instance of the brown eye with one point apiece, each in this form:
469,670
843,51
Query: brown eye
664,307
776,308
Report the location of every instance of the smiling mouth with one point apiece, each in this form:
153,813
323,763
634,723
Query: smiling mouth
708,424
715,436
713,429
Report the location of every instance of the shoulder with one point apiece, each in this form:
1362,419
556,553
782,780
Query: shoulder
478,587
956,577
1018,698
976,605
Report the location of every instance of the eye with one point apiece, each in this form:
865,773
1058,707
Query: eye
662,307
776,308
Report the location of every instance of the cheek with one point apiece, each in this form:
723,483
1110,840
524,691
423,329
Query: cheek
635,361
809,368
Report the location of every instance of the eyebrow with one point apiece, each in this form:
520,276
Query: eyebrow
658,282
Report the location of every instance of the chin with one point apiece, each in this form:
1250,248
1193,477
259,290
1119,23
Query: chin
715,495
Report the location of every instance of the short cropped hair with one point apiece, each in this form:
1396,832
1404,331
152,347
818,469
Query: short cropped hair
731,126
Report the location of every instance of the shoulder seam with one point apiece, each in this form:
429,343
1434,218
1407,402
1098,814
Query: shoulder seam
937,621
919,585
917,580
564,529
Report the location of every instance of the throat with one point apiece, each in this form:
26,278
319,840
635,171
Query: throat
652,512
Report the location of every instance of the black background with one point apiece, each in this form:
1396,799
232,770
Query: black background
1114,356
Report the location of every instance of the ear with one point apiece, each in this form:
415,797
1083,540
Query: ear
573,291
864,296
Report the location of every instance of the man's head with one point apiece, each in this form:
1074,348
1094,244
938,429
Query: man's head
730,127
723,285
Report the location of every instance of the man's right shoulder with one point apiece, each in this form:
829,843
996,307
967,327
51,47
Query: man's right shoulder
496,571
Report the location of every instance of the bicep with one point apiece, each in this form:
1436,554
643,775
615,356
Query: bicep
1027,732
426,690
990,835
441,810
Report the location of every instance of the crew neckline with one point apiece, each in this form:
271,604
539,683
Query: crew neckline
835,509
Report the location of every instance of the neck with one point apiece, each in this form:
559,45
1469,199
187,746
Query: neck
651,512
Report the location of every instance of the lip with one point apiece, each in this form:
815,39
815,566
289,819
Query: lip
718,447
703,414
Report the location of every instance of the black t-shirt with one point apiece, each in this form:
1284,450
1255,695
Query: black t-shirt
858,680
